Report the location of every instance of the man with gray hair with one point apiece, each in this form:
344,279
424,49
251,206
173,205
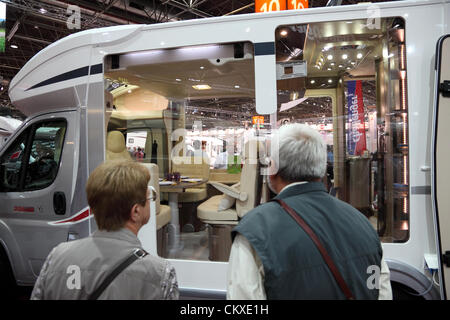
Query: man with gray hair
323,249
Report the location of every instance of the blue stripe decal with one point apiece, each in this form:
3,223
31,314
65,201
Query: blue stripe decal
264,48
80,72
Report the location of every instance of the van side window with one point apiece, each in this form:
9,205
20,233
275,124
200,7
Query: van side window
45,156
11,164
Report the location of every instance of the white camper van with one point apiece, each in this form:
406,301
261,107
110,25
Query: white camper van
199,88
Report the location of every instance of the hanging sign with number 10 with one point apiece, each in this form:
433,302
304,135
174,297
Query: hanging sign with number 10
278,5
297,4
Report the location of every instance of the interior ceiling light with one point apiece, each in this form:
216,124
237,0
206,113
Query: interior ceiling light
330,57
178,80
201,87
313,81
14,46
42,10
359,55
283,33
202,67
330,80
326,48
344,56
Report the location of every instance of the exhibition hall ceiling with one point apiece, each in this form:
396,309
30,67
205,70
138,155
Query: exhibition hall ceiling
32,25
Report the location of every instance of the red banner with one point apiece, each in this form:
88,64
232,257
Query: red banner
357,130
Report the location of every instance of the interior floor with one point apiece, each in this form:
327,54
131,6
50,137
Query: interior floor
194,246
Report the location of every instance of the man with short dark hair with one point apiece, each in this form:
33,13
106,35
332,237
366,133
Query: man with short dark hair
118,195
272,257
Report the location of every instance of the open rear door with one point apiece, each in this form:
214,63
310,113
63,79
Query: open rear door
441,162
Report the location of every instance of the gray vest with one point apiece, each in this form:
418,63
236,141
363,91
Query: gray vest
293,266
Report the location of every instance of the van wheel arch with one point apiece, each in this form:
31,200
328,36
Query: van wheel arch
405,279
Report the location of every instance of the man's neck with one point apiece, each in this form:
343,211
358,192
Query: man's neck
132,227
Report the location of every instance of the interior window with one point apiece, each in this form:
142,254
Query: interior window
45,154
11,164
348,80
186,114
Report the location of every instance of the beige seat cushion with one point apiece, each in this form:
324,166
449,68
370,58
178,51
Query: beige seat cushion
115,146
192,195
163,217
208,210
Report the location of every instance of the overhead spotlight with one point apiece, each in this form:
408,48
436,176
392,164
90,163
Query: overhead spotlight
330,80
283,33
42,10
332,64
14,46
313,81
359,55
330,57
177,79
344,56
201,87
202,67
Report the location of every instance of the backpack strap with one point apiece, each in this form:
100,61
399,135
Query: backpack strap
136,254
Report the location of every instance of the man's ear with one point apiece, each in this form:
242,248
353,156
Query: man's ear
134,212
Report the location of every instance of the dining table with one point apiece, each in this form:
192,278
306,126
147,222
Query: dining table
174,188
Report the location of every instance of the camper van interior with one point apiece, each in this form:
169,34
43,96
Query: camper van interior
189,114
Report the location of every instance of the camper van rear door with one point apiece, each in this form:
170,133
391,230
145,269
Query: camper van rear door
440,161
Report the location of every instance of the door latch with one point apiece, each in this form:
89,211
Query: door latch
444,88
59,203
446,258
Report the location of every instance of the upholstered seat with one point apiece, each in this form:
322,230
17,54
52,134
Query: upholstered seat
115,146
163,214
222,212
163,217
208,212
